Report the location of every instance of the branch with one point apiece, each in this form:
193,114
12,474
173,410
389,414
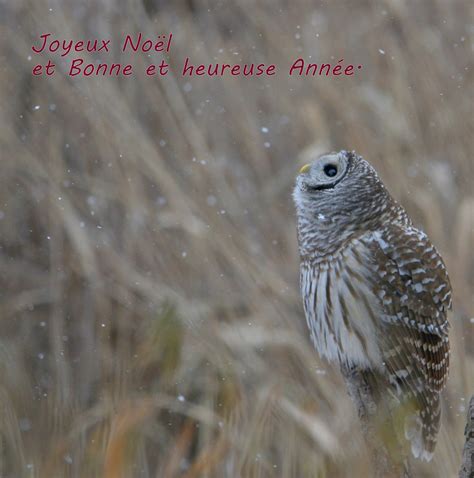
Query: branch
388,461
467,466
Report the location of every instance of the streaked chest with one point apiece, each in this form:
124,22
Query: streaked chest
341,310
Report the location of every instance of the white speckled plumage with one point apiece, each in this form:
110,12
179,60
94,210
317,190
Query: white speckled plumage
376,293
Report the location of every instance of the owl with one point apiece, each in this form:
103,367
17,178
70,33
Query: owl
375,291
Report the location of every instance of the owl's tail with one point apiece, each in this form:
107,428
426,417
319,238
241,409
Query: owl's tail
422,427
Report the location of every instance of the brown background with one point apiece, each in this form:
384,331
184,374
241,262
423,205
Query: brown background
151,324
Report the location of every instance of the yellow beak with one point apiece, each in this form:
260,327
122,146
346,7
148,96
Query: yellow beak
305,168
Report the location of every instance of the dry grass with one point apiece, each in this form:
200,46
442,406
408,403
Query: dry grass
151,323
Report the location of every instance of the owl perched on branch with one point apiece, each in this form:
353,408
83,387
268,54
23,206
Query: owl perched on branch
376,292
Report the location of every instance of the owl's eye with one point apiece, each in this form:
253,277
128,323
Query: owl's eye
330,170
325,172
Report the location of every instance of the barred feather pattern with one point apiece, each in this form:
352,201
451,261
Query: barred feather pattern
377,296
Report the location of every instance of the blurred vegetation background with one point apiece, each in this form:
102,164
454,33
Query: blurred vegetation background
151,324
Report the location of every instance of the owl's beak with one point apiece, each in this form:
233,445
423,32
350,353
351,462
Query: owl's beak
305,168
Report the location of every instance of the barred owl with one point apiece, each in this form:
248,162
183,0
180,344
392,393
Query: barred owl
376,292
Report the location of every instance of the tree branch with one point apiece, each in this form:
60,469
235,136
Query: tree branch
377,425
467,466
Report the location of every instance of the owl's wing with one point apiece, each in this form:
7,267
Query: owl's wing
412,285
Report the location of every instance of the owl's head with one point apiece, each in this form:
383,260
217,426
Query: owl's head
340,191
